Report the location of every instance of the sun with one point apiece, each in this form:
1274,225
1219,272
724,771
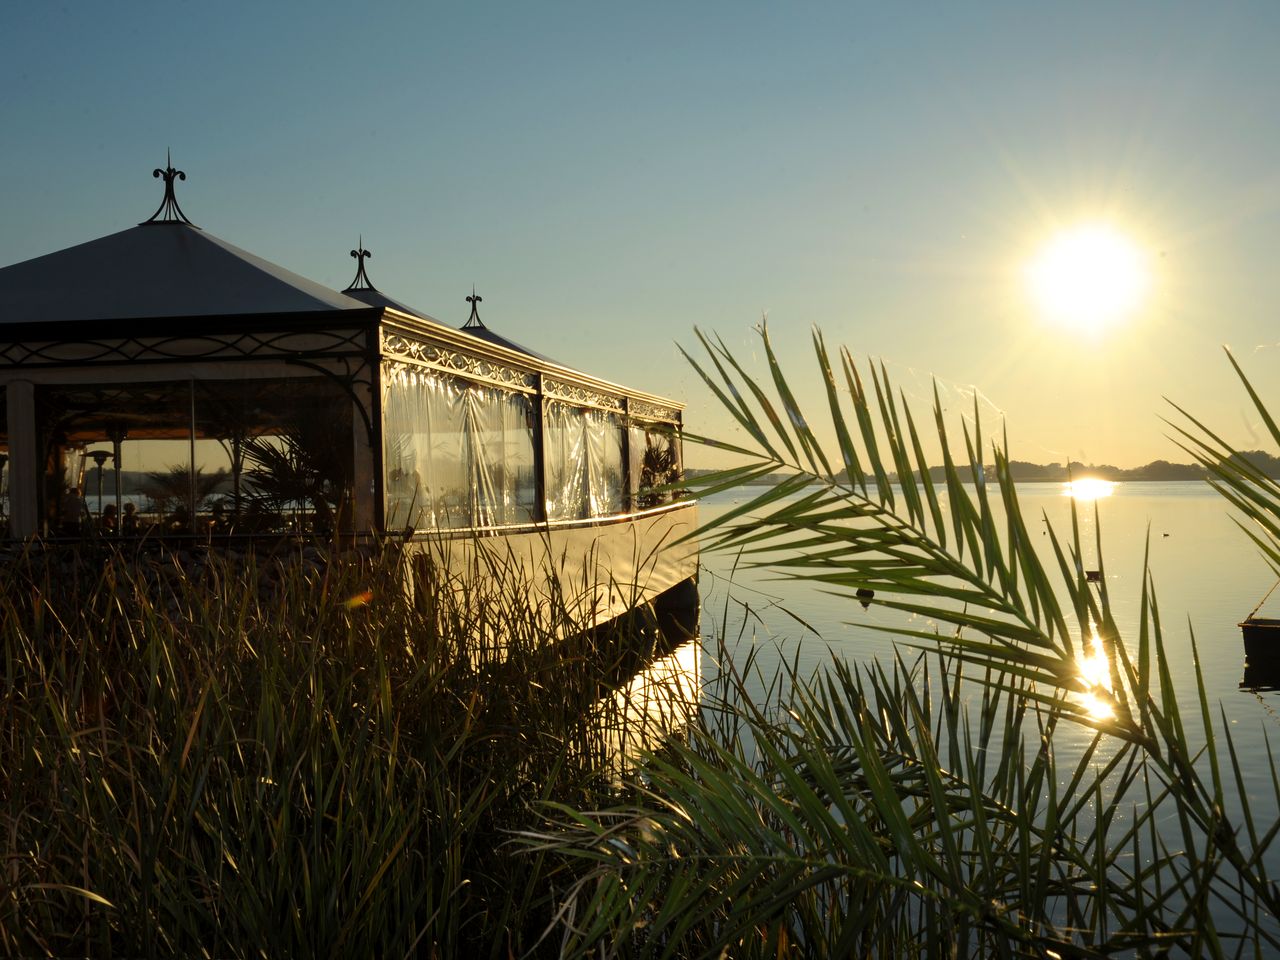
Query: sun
1088,278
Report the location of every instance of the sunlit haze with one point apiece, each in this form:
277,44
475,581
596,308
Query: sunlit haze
1067,207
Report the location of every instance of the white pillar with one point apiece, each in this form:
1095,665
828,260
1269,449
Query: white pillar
24,465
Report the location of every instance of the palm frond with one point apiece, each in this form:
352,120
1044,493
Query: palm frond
868,815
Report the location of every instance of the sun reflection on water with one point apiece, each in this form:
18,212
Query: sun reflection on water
1088,488
1095,670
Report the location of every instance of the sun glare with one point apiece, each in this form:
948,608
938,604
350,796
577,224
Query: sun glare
1088,488
1095,671
1088,278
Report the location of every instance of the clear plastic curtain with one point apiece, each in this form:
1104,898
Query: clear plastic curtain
457,454
426,483
499,446
564,454
583,462
604,463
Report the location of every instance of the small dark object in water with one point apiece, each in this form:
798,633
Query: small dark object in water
865,596
1166,534
1093,576
1261,640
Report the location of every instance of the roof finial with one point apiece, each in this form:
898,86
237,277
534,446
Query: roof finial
474,300
168,211
361,282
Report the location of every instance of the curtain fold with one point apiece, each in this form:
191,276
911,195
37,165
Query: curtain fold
458,454
582,462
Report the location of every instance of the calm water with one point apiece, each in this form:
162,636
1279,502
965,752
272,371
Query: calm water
1207,577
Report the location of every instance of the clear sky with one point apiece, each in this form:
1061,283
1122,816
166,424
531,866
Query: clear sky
610,176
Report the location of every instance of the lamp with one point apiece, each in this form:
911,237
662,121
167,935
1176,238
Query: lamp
100,457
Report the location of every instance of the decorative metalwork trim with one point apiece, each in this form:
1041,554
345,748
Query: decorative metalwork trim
231,346
474,320
579,395
168,211
406,350
652,411
362,281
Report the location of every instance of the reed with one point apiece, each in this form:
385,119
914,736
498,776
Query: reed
287,757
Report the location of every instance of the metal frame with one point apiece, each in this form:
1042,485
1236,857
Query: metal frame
363,344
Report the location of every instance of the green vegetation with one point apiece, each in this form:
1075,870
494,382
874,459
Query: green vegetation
219,756
929,808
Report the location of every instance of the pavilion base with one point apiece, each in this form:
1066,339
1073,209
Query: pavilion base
573,578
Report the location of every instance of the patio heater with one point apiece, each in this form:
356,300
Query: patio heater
100,457
116,435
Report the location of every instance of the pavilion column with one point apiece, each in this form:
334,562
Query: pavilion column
24,465
366,492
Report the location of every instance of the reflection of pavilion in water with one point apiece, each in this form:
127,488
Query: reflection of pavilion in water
657,703
161,382
658,697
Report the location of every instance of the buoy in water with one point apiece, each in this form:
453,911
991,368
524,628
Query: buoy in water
865,596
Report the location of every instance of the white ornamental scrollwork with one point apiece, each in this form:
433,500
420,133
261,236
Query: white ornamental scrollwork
433,355
577,394
652,411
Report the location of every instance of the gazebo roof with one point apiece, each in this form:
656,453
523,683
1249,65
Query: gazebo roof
158,269
376,298
168,268
476,328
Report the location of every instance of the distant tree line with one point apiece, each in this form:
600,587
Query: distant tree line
1027,472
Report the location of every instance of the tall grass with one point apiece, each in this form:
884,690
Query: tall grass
927,807
228,756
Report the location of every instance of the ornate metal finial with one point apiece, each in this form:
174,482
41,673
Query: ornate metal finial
168,211
474,319
361,282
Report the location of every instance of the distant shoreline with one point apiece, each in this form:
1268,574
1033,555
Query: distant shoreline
1023,472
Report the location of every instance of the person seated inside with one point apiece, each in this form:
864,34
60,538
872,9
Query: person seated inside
218,522
129,522
107,522
179,521
72,512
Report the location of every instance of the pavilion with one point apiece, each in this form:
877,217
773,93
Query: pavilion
165,373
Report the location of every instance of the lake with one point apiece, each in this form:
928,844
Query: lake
1206,573
1207,577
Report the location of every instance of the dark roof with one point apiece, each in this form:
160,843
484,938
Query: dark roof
481,332
168,269
376,298
160,269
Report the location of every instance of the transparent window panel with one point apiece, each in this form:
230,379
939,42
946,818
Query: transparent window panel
636,435
427,482
582,451
500,450
133,440
564,455
654,461
604,463
446,478
404,448
277,455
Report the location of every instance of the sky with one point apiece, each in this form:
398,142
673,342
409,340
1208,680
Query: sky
611,177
